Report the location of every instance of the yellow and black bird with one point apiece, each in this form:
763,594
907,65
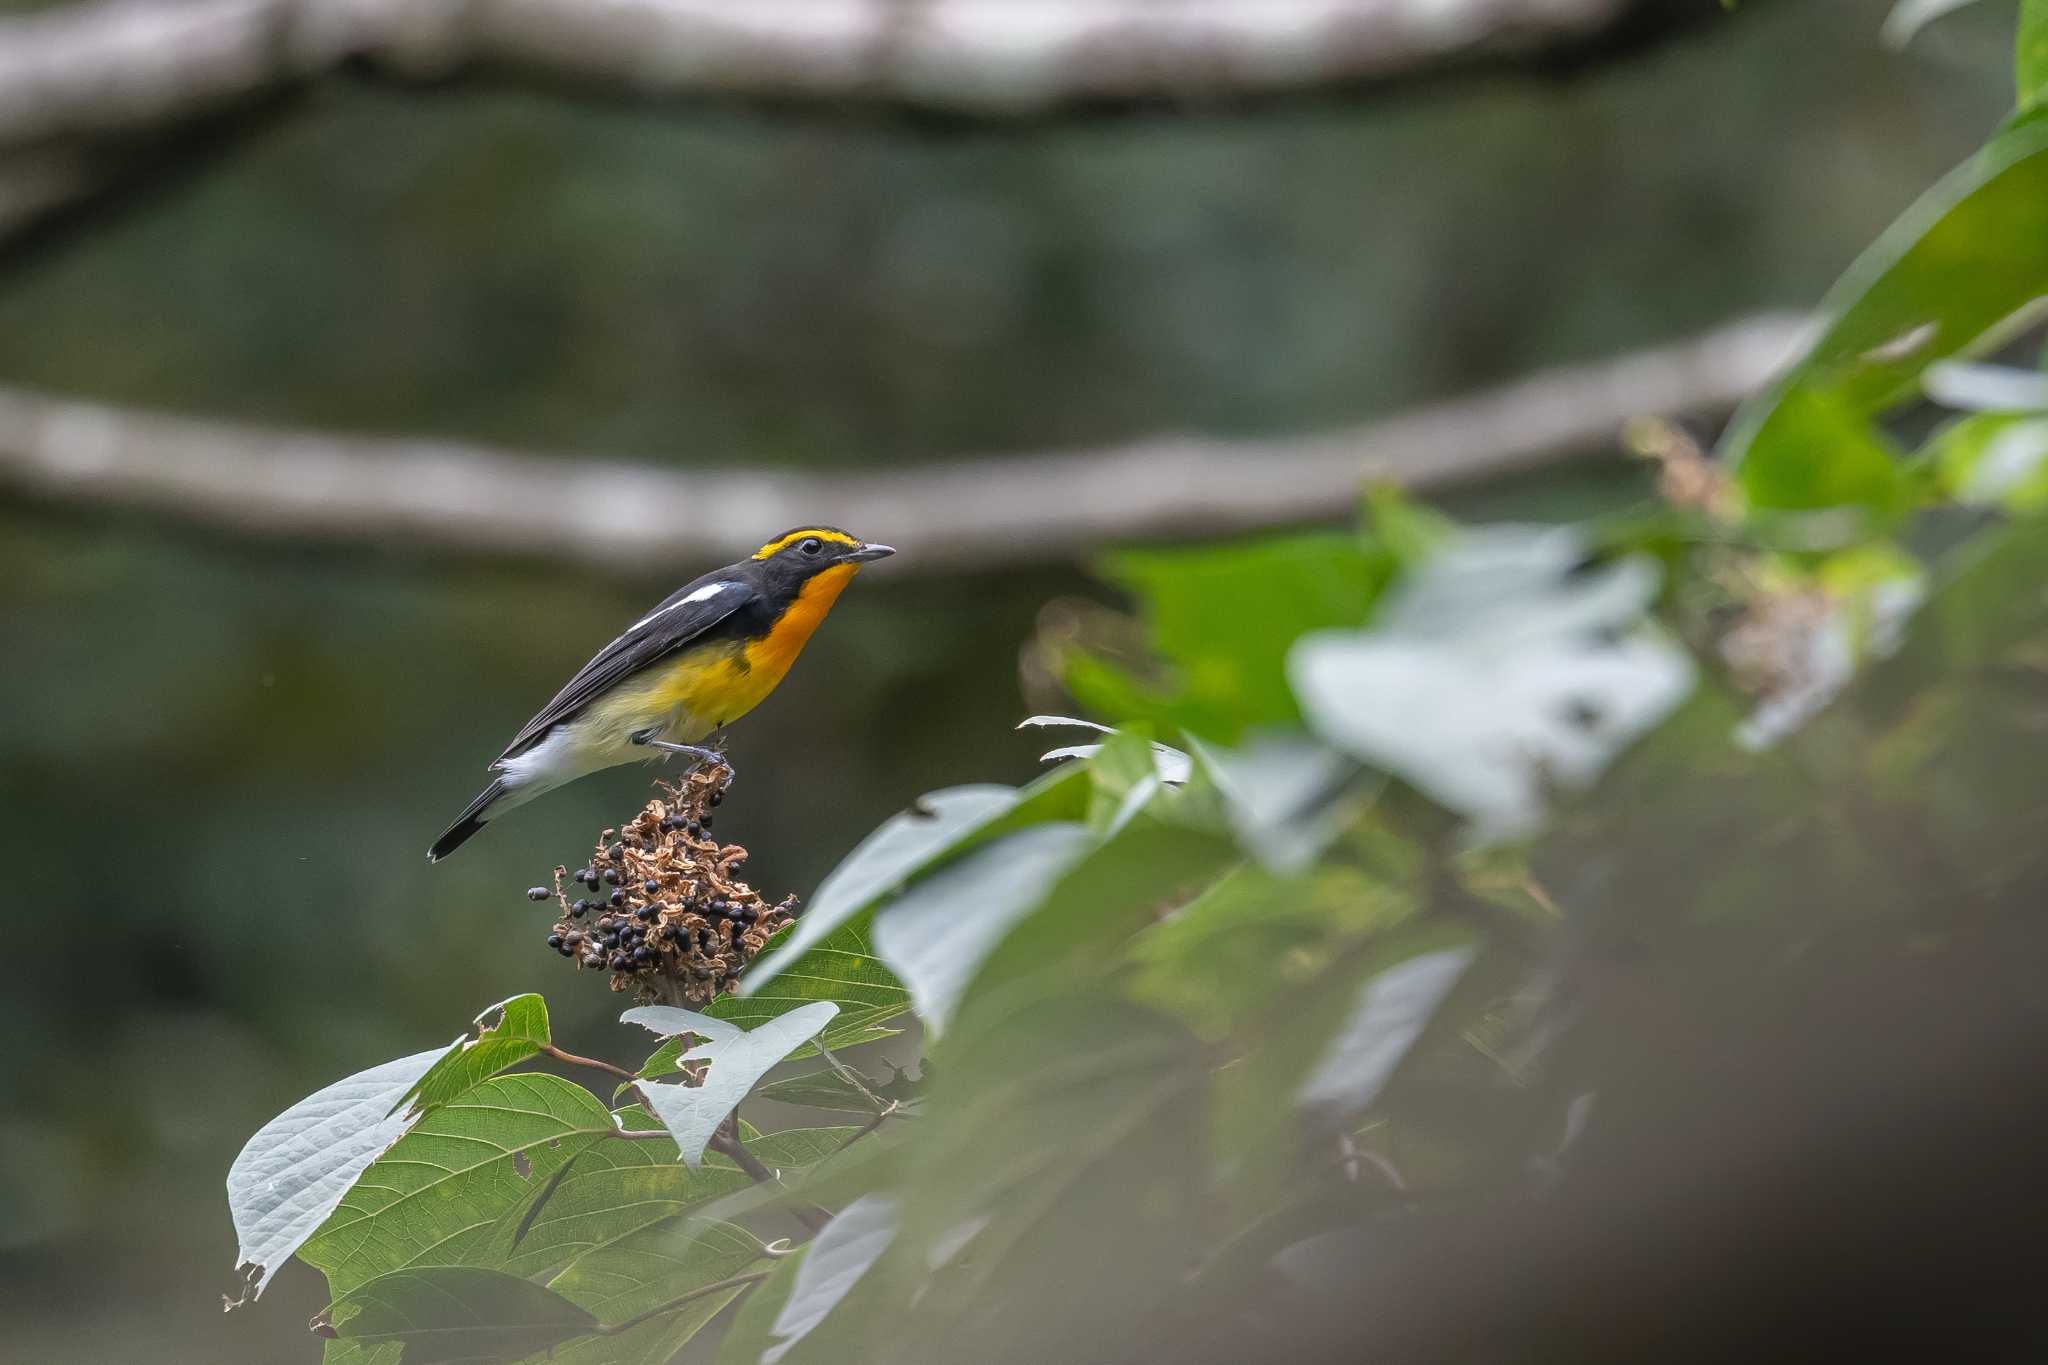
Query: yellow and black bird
706,656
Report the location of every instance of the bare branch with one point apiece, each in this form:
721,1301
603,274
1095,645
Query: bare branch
125,64
638,520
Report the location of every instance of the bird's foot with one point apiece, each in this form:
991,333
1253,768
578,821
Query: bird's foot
699,755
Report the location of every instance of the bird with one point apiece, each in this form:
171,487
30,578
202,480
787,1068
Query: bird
707,654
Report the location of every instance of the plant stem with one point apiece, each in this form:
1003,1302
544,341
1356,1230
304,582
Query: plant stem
573,1060
868,1127
726,1142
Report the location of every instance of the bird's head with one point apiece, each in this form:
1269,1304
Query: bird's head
797,557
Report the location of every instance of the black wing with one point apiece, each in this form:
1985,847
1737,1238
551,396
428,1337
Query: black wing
661,632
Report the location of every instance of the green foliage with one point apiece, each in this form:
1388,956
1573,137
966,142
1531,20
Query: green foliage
1947,279
1412,859
519,1030
292,1174
1222,619
449,1315
2030,58
436,1194
737,1059
841,968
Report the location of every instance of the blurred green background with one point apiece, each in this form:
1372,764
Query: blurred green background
221,759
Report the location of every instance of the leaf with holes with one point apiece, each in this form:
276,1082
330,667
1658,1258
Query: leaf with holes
291,1175
737,1060
435,1196
508,1033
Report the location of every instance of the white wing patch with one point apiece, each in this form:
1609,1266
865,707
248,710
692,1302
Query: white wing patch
703,594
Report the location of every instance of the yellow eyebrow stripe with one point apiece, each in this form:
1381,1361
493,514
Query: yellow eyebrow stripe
821,532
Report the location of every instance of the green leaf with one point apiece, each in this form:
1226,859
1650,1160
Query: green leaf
1992,459
2030,55
655,1264
608,1191
738,1058
1947,279
665,1060
1081,926
936,935
829,1091
519,1030
433,1198
841,968
1389,1014
1497,671
750,1337
1825,454
1064,1138
290,1176
1222,618
1194,963
845,1251
938,826
457,1315
653,1342
1286,797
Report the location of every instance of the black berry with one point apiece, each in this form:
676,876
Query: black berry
651,887
537,893
717,797
616,899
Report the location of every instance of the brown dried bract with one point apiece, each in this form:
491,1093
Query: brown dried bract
659,907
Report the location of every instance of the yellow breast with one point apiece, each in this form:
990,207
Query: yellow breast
706,687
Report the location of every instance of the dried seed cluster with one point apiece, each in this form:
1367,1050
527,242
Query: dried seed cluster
658,906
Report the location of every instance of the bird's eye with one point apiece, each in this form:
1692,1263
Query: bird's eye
811,546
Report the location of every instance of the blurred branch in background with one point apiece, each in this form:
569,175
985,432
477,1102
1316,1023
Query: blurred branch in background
80,83
110,67
636,519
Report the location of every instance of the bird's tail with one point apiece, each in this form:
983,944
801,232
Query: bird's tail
469,822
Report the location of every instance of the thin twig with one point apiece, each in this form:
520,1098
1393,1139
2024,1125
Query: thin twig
850,1076
573,1060
868,1127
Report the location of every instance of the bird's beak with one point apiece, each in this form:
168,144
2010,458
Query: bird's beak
868,554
